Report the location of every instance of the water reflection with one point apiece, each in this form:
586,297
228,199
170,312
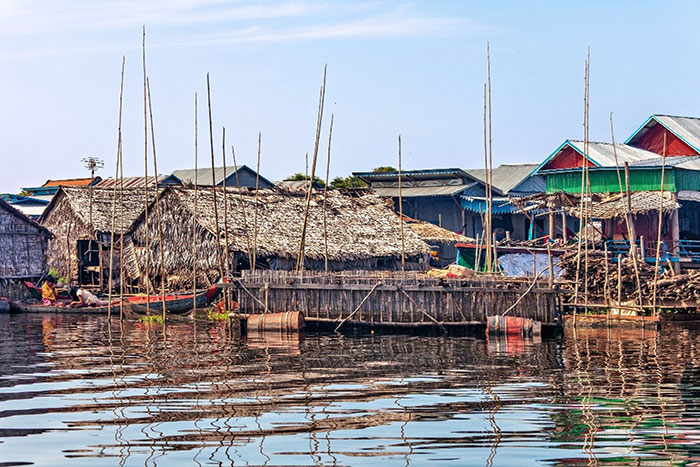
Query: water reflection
130,394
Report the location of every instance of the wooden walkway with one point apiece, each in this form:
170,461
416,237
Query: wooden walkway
395,299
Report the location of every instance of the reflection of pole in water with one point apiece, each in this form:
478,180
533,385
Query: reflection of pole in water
492,421
403,426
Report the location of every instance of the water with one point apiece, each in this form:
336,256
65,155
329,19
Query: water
74,391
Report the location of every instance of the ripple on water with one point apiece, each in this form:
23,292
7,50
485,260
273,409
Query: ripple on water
89,393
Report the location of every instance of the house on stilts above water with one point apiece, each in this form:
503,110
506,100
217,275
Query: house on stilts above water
637,164
80,218
23,246
363,233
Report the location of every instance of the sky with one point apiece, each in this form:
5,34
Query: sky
411,68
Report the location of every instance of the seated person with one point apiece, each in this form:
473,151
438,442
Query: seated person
49,292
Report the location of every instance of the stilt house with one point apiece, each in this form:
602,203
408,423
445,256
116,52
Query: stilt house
81,221
637,166
362,233
23,245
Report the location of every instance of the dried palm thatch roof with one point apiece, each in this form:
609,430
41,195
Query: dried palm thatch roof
129,206
432,233
358,227
617,205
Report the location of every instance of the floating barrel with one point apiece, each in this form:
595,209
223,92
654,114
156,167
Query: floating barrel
289,321
512,326
4,305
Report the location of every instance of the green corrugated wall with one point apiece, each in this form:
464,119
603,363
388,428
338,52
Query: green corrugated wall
606,181
688,180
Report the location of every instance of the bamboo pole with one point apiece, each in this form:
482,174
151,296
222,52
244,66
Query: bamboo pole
227,258
489,170
486,225
325,197
159,214
194,223
255,217
114,197
403,242
586,127
145,174
242,202
213,185
633,254
658,231
319,121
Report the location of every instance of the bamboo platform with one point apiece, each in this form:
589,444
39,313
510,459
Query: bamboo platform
396,299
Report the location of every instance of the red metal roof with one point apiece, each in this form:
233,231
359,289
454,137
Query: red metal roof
72,182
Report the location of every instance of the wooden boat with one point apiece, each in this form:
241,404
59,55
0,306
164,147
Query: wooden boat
174,305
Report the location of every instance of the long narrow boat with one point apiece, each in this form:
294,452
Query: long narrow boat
174,304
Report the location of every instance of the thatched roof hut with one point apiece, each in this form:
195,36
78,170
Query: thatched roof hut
80,219
22,249
363,232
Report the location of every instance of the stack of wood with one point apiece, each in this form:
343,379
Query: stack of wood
592,278
670,287
682,287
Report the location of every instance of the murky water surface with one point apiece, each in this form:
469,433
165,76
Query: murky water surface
74,391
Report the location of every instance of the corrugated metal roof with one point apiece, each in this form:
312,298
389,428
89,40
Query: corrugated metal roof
603,154
686,128
419,191
506,176
73,182
413,174
135,182
681,162
204,174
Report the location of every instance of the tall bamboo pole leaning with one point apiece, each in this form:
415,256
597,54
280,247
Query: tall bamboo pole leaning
489,172
319,121
586,127
255,208
486,224
243,211
159,213
325,198
227,259
213,185
145,174
403,240
658,231
114,196
582,204
194,224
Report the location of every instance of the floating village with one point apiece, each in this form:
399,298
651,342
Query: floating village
593,234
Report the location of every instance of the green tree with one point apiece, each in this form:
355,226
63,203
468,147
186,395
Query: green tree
385,168
297,177
347,182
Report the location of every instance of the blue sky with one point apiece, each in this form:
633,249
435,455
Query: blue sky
414,68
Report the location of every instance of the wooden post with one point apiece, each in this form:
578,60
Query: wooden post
564,228
159,214
114,197
145,174
227,254
194,223
325,198
551,266
660,222
242,201
403,244
213,185
255,207
552,226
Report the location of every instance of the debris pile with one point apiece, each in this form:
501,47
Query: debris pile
670,287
